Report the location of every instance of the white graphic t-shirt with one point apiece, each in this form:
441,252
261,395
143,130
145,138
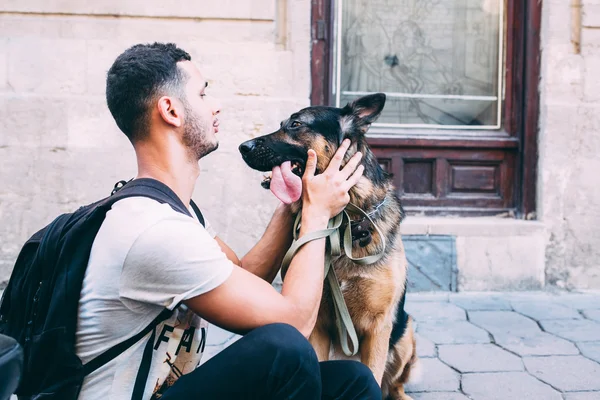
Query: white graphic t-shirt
145,257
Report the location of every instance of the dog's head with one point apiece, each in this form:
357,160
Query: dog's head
319,128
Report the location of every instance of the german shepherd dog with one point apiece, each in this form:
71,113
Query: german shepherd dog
374,293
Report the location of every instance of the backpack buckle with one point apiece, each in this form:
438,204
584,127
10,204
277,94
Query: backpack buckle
118,186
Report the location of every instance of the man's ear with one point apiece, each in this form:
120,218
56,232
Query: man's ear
170,111
363,111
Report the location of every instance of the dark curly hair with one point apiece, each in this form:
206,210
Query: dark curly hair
137,77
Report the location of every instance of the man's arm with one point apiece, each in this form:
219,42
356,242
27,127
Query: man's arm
264,259
244,301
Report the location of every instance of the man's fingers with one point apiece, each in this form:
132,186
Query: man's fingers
336,161
350,167
311,164
353,180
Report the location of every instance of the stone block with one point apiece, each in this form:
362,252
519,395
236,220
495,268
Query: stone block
529,296
218,337
425,347
504,322
140,30
545,310
590,84
590,42
590,15
507,385
427,296
438,396
558,148
47,66
592,314
590,350
470,227
479,358
563,74
582,396
508,263
588,124
480,301
540,344
92,126
227,9
566,373
298,41
575,330
578,301
431,311
33,121
452,332
556,31
231,68
431,262
3,63
439,377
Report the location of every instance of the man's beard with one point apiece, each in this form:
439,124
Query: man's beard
195,135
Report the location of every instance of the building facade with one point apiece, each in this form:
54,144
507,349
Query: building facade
491,129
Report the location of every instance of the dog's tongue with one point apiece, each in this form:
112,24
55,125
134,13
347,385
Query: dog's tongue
286,186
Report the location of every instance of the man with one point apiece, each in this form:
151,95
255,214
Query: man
146,257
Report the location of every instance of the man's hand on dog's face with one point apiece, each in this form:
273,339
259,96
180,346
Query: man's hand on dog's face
325,195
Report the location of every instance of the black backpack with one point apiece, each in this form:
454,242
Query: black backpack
40,304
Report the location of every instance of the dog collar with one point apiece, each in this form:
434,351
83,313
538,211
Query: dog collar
361,229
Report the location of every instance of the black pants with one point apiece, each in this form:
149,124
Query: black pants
275,362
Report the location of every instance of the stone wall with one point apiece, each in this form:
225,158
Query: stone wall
569,143
60,147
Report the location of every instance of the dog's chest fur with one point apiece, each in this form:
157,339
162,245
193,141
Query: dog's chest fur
371,292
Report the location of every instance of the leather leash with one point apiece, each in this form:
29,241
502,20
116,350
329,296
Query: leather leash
333,250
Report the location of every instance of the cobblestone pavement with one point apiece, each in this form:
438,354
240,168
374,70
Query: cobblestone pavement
507,346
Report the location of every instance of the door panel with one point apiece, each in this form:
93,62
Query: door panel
477,180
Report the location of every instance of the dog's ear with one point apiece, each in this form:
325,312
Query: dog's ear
362,112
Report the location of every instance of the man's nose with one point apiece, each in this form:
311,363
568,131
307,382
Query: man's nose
215,105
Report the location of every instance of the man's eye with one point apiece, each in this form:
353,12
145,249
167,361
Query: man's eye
296,124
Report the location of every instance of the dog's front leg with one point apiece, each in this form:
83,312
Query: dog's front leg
320,341
374,349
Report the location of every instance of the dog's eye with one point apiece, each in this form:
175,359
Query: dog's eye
296,124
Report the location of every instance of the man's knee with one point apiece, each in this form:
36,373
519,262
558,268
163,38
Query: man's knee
359,379
366,379
293,365
284,341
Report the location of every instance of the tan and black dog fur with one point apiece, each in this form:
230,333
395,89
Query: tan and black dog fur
374,293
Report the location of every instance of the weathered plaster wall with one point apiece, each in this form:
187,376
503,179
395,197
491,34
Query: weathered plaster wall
569,143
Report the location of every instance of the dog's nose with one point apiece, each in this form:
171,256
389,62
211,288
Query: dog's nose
246,147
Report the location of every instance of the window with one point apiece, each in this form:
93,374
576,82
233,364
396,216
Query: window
440,63
458,129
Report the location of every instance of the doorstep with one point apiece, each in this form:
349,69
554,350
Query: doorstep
474,253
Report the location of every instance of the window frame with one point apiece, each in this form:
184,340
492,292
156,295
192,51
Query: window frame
521,98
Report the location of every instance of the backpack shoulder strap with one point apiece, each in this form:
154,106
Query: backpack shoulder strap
198,213
116,350
147,187
156,190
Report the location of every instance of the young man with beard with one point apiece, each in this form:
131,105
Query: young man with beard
147,256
